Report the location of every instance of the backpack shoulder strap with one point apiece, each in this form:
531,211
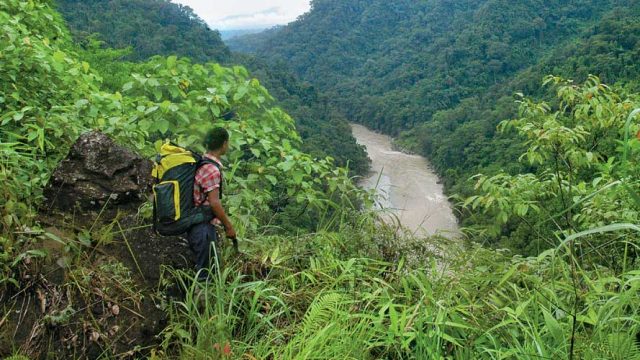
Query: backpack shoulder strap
204,160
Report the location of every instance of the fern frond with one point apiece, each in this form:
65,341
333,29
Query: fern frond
623,346
321,312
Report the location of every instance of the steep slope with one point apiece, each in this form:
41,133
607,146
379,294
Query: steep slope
95,282
467,139
49,97
323,128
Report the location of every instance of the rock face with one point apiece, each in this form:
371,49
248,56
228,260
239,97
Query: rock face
95,170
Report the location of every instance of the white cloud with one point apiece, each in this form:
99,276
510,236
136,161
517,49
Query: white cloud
247,14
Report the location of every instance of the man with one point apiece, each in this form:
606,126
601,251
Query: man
207,192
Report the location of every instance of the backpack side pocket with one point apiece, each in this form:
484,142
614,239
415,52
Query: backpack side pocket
167,200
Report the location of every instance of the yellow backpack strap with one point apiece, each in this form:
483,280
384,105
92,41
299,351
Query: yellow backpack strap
155,172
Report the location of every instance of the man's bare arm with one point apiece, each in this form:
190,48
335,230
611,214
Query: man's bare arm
218,211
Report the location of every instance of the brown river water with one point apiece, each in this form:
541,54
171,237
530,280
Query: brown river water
406,185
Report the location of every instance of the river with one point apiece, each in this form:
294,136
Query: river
407,186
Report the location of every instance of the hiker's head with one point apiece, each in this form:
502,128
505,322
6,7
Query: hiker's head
217,139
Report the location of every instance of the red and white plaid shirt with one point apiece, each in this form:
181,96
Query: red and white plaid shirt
208,178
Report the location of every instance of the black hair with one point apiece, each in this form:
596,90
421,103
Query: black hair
215,138
229,116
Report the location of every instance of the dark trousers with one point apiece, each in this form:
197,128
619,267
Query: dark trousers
202,239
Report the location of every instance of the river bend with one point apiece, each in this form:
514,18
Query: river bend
407,186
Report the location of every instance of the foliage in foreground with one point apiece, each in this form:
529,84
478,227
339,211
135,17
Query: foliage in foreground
583,154
329,299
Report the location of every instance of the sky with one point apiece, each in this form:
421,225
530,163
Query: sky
246,14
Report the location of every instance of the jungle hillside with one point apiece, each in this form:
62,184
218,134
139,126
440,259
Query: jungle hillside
529,111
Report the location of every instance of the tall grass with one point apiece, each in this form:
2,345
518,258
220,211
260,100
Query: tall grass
315,299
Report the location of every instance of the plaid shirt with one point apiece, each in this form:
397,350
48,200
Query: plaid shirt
208,178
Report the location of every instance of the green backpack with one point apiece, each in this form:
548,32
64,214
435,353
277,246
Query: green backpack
174,211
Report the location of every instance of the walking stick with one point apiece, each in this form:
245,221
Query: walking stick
234,240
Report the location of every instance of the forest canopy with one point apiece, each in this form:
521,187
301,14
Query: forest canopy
150,28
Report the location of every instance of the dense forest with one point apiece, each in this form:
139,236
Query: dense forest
319,273
149,27
425,56
160,27
443,75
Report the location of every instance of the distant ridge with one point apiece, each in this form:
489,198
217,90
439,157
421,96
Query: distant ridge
230,34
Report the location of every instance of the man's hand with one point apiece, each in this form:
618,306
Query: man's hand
230,232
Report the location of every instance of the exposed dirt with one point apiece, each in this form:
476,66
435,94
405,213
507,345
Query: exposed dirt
107,298
98,292
107,301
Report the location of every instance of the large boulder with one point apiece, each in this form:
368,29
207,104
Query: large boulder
98,170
